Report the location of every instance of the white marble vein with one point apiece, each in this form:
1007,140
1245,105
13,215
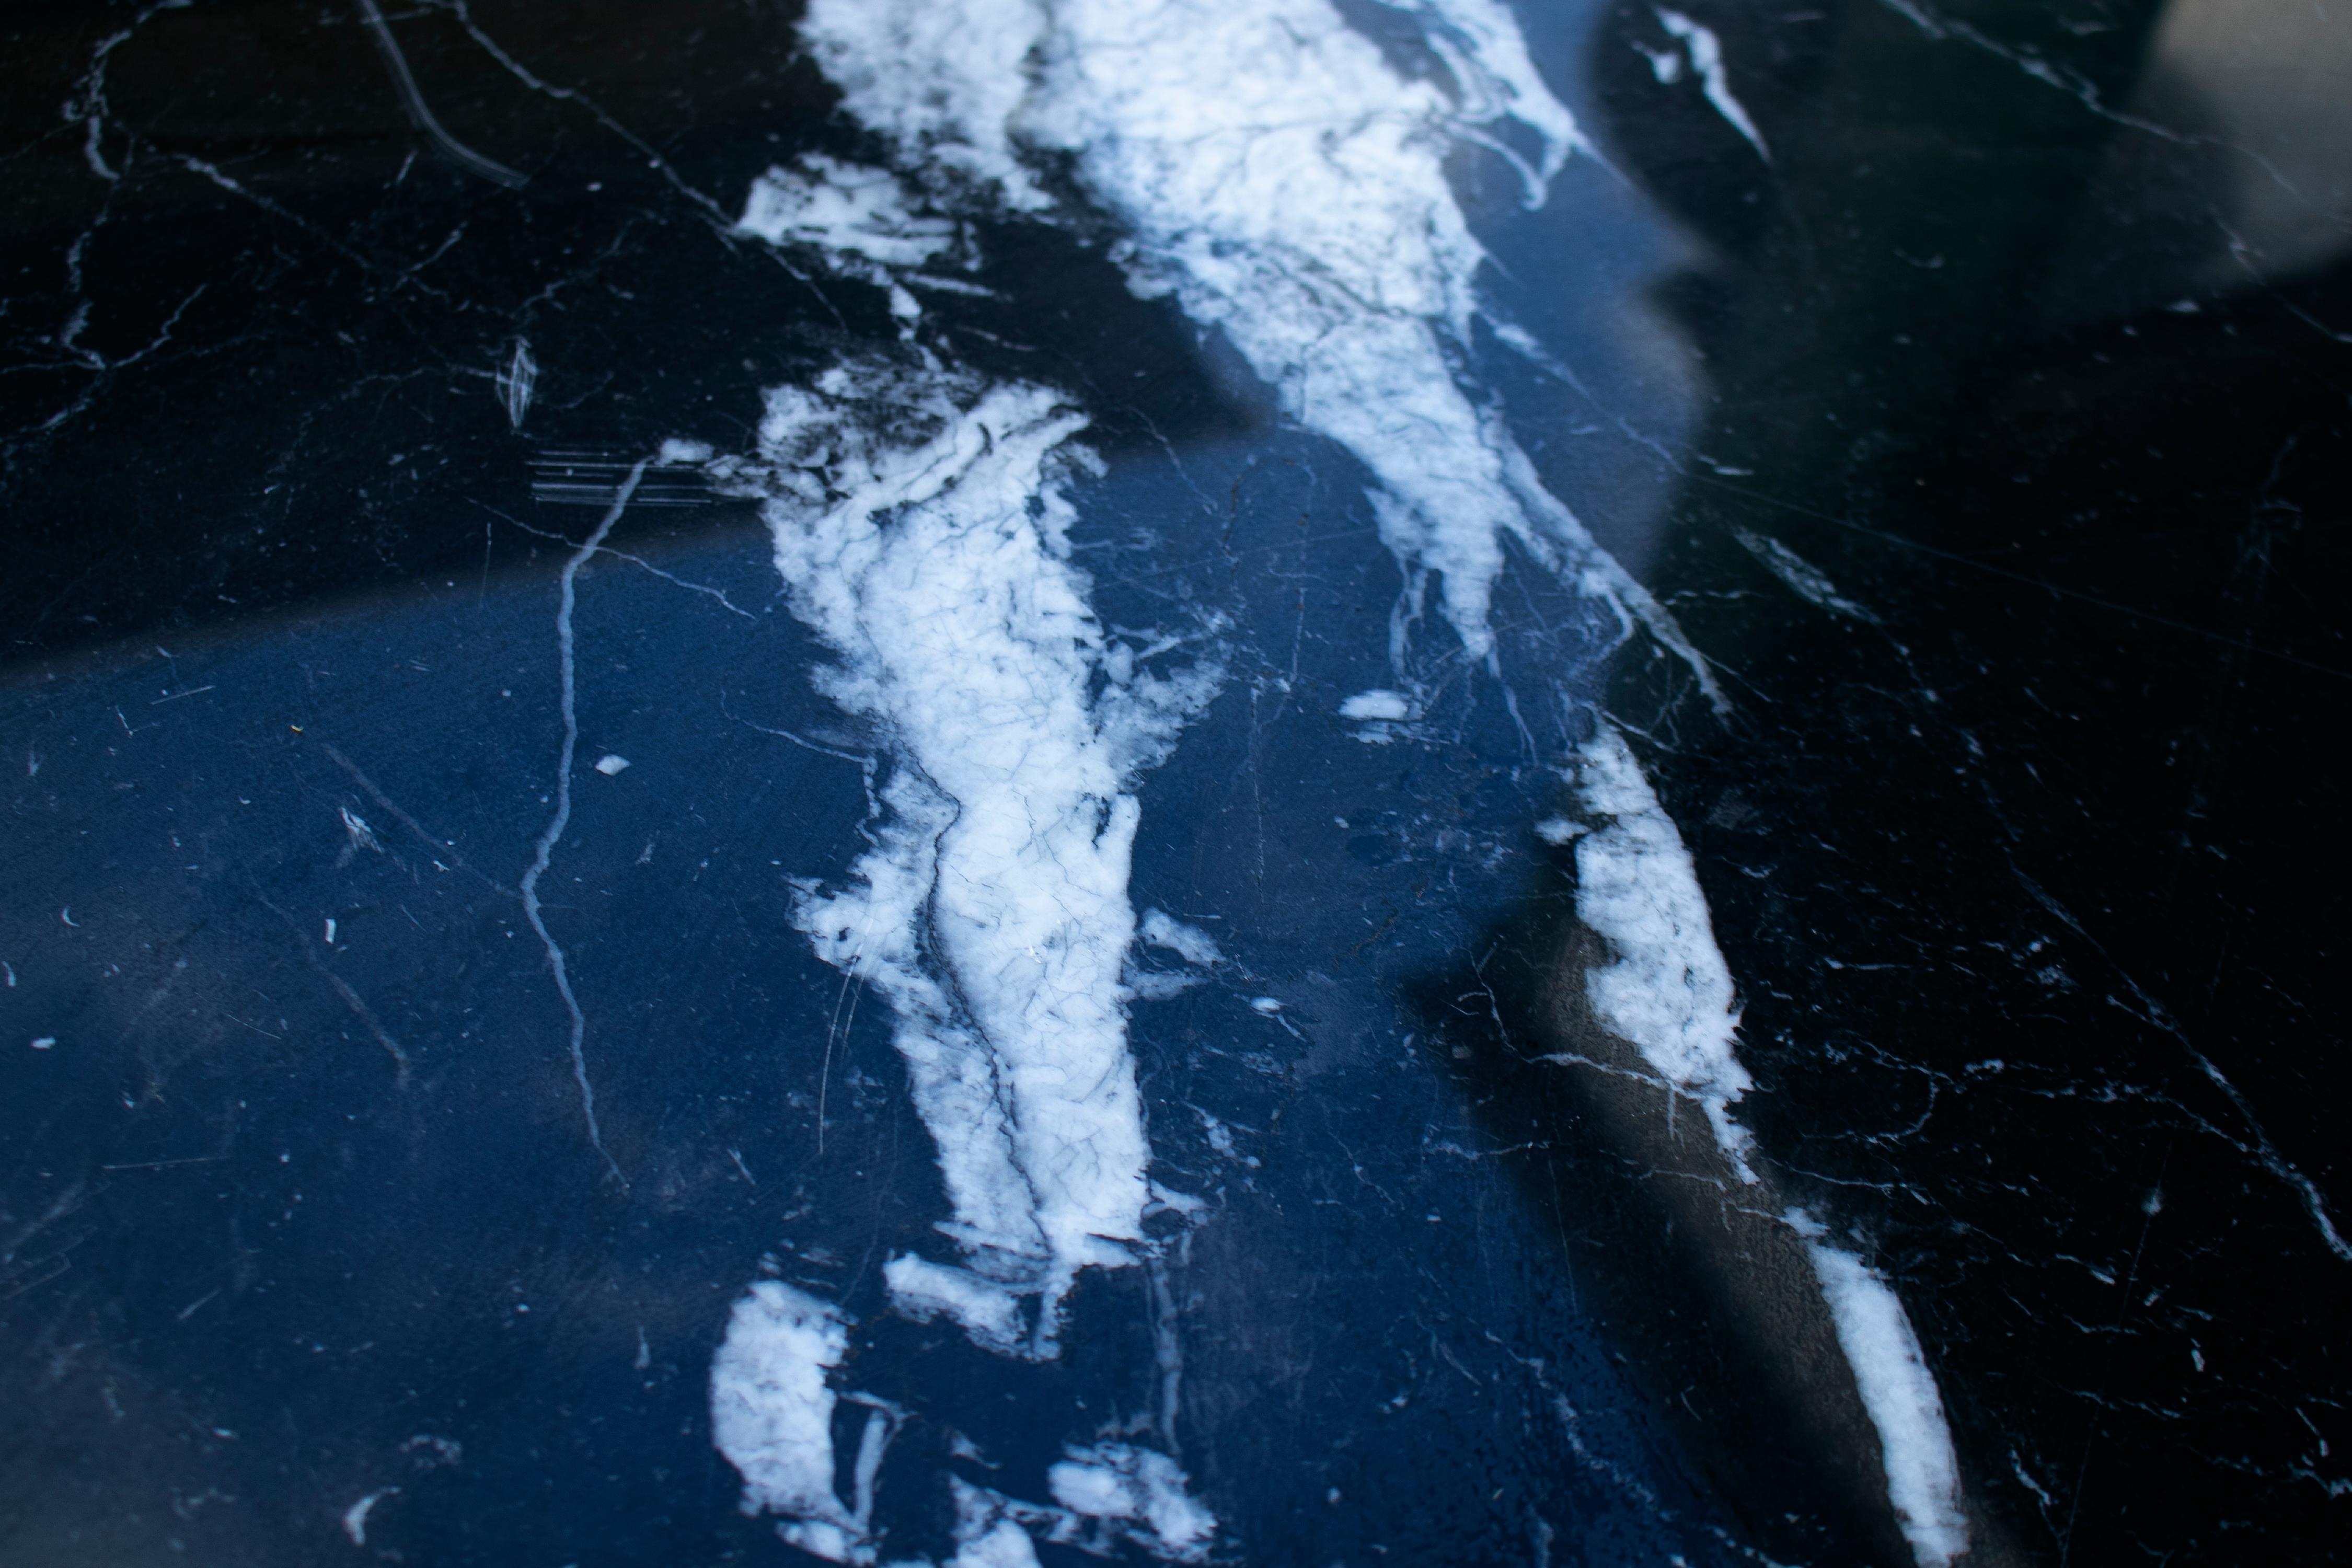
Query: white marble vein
1923,1477
1668,993
1279,177
920,526
1666,990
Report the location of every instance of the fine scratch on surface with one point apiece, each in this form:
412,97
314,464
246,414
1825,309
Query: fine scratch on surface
343,988
514,384
237,187
439,846
567,597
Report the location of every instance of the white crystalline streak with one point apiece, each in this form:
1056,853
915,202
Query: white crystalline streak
1288,186
920,529
986,1534
1378,703
844,211
1666,990
1706,59
772,1416
1923,1478
1141,1491
989,1312
1800,576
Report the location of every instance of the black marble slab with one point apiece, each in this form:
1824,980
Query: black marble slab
413,1046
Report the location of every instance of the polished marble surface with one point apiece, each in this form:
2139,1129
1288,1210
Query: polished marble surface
1294,780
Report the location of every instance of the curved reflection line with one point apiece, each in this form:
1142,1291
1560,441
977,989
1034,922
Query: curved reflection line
422,114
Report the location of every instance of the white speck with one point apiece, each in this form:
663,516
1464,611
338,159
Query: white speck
1377,703
675,451
611,762
1266,1005
330,931
47,1042
1559,830
2196,1356
65,915
355,1517
11,972
2184,307
1706,59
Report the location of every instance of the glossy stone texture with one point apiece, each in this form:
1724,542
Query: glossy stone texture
417,1039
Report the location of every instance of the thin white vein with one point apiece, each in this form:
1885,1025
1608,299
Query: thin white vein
570,95
2264,1153
90,107
637,561
567,598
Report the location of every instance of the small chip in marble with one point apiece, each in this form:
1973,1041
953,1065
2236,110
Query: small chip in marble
611,762
45,1042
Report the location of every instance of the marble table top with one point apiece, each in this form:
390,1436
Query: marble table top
1277,782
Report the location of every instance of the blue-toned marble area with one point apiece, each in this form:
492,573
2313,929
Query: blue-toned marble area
1281,782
